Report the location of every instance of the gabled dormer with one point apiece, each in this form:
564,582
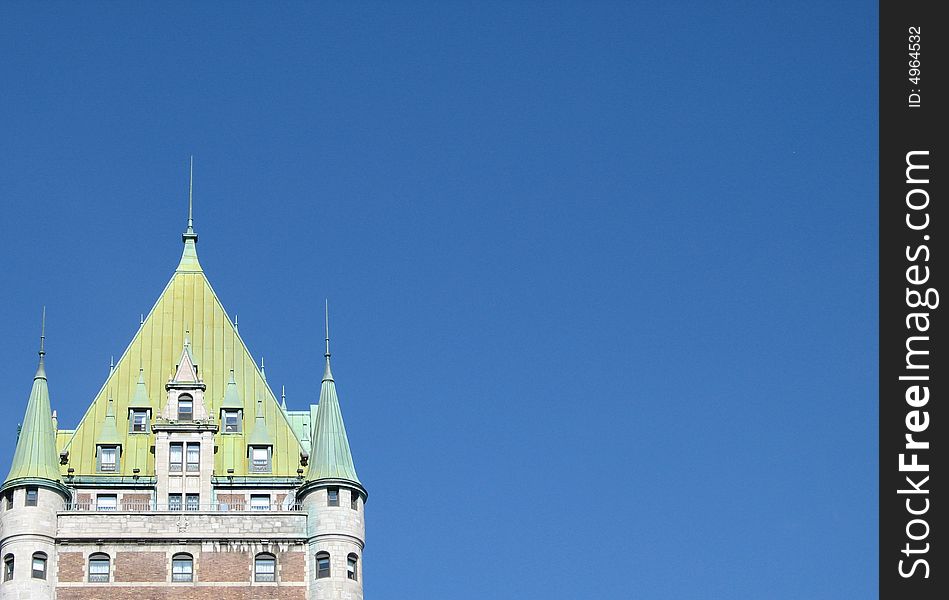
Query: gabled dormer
185,390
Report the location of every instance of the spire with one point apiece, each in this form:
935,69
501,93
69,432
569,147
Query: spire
330,456
327,374
41,367
35,460
263,373
109,434
140,398
189,257
111,364
260,436
283,398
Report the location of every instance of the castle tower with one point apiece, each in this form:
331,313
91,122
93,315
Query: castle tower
334,500
31,495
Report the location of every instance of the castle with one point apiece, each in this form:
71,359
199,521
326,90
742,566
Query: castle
185,478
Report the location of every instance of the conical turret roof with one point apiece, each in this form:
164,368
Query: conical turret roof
330,456
35,460
109,433
140,398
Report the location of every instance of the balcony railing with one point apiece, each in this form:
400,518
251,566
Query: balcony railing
141,507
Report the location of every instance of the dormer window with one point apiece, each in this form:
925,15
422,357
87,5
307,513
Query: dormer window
108,459
259,459
185,408
231,418
138,420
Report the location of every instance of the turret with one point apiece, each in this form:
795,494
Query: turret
32,494
334,500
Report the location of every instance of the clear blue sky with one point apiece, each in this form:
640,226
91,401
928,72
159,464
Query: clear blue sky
602,275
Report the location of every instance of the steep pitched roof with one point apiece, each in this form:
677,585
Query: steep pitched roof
187,303
330,456
36,460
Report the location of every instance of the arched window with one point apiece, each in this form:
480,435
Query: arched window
8,567
185,408
352,562
265,567
182,567
322,565
99,568
39,565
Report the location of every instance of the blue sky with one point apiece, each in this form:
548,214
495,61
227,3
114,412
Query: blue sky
602,275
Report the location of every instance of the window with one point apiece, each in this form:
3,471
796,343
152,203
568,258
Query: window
182,568
354,499
260,459
39,565
98,568
232,421
322,565
9,500
192,501
174,501
332,497
32,494
8,567
259,502
265,567
175,452
108,459
185,408
194,457
351,561
138,423
106,502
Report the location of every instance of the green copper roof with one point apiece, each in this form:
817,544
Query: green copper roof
188,303
35,457
109,434
330,457
232,398
140,399
260,436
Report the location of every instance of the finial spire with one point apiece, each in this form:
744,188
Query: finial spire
327,374
283,397
111,364
190,194
263,373
43,334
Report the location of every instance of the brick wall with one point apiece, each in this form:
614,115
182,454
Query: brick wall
292,566
72,566
224,566
141,566
181,592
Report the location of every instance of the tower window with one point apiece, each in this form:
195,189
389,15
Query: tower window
174,501
185,408
107,502
351,561
354,499
182,567
232,421
322,565
98,568
332,497
265,567
260,459
260,502
8,567
9,499
39,565
138,423
32,496
108,459
175,457
194,457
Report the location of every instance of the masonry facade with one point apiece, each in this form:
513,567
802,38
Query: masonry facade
186,478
